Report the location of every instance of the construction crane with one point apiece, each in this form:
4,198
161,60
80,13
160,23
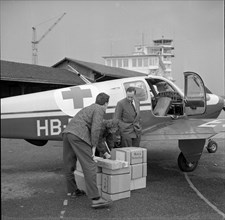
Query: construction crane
35,42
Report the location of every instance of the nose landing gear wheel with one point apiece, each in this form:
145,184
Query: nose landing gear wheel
212,146
184,165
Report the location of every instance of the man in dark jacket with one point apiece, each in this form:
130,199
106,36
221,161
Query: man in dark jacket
128,113
80,139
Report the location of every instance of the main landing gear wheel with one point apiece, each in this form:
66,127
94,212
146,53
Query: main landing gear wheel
184,165
212,146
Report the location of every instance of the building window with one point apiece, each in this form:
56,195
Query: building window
108,62
119,62
167,50
134,62
125,62
167,58
153,61
145,61
114,62
168,66
139,62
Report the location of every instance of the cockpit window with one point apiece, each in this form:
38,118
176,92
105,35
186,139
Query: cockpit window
195,87
163,86
141,91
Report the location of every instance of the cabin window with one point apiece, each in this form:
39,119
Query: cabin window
141,91
195,88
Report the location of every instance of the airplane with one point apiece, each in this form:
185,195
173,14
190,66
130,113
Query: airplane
166,115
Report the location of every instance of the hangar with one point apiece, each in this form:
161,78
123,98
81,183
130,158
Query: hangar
20,78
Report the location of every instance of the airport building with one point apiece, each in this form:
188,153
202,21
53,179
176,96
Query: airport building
95,72
154,60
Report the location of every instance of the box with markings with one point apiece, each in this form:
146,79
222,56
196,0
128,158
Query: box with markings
132,155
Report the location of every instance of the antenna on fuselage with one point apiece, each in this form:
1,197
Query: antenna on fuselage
79,74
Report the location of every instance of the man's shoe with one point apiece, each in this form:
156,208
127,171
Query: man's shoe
100,203
78,193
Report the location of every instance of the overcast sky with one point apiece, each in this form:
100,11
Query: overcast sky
93,29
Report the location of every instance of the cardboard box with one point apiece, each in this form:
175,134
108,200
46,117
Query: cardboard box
116,196
132,155
144,150
136,171
111,164
144,170
112,184
138,183
117,172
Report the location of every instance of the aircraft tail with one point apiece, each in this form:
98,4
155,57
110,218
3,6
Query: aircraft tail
221,97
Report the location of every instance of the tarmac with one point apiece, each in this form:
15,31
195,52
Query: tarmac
33,186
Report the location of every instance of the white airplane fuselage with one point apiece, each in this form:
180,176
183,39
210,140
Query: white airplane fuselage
44,115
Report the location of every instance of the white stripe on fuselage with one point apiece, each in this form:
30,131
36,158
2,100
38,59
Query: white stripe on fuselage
52,114
32,115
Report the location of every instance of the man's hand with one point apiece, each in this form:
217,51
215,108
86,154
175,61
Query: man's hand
95,159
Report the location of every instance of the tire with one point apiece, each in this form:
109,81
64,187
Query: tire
184,165
212,146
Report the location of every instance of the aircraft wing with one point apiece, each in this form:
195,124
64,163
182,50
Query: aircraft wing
184,129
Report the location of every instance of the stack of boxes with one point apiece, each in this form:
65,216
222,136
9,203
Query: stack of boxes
125,171
115,180
137,160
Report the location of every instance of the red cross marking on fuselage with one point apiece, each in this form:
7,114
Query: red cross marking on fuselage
77,95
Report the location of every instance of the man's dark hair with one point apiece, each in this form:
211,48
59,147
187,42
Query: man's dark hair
131,89
102,98
111,123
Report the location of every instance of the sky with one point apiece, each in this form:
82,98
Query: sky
93,29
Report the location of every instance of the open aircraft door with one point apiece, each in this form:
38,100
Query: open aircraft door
195,96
